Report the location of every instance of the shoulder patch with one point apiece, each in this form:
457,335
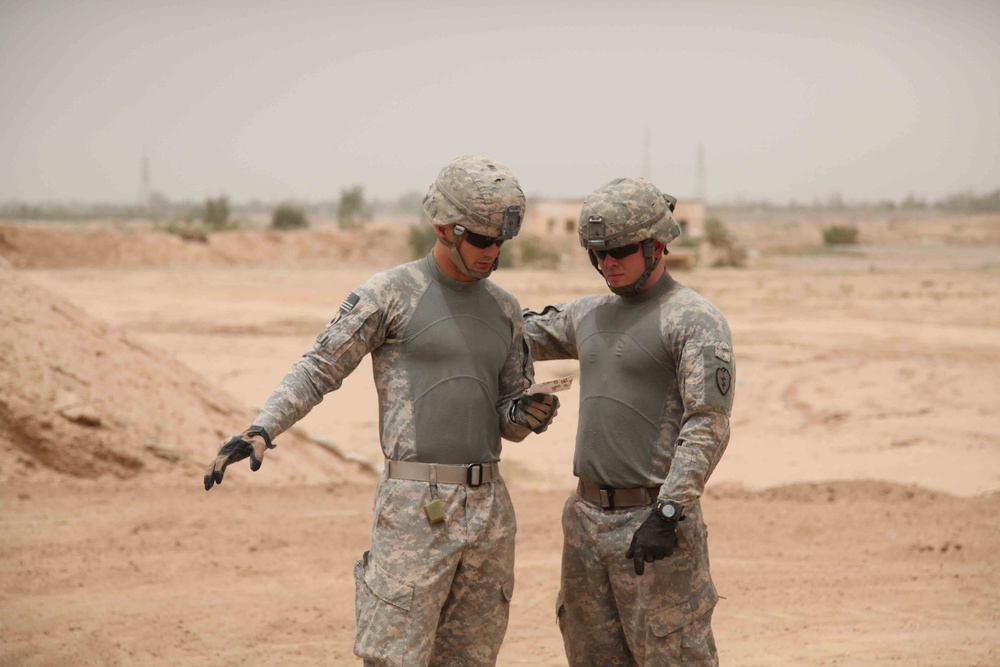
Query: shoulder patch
724,354
719,375
349,302
724,380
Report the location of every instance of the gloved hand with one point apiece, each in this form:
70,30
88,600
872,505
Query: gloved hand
253,443
656,538
535,411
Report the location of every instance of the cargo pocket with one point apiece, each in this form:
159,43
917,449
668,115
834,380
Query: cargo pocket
501,615
682,633
382,609
561,612
507,590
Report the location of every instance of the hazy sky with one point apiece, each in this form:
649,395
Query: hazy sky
274,100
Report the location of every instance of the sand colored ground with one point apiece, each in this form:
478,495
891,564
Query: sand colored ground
852,521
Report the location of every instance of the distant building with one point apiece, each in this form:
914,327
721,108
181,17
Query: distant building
561,217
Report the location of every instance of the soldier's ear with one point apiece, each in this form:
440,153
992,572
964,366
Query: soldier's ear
659,249
442,231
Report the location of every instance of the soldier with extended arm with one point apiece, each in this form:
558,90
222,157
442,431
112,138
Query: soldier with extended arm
656,390
451,366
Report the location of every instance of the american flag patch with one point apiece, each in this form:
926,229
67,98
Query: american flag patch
349,302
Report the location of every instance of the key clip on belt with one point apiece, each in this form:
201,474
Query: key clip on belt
474,475
607,497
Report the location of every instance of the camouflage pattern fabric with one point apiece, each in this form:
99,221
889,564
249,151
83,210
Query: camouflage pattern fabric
631,210
657,376
473,191
436,595
449,358
609,617
638,427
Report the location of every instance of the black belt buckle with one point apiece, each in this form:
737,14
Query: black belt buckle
474,474
607,497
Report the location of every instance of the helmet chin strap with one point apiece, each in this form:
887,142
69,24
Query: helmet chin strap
635,288
456,258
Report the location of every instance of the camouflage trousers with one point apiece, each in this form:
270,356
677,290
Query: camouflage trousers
436,594
611,617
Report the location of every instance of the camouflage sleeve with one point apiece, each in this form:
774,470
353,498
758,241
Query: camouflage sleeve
706,374
516,376
551,334
356,329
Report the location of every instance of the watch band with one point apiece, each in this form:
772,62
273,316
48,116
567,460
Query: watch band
669,510
259,430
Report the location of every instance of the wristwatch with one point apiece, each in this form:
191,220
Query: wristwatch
668,509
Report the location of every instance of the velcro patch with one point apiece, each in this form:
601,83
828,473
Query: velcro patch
719,375
349,302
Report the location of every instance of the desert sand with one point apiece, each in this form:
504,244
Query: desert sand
853,520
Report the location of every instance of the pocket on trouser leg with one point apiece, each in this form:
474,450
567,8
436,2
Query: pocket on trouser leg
382,609
507,590
682,634
561,612
501,615
575,647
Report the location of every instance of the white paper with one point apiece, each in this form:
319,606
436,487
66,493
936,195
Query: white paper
551,386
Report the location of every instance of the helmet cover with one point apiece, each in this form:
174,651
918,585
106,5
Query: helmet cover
627,211
480,194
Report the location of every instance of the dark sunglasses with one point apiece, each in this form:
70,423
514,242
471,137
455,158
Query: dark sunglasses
617,253
481,241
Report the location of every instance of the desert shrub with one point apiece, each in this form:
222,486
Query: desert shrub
840,235
287,216
353,211
192,234
187,228
530,253
215,215
716,233
718,236
422,239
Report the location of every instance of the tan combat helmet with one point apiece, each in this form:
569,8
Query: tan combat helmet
476,195
624,212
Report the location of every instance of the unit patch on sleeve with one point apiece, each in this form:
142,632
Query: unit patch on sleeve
724,379
719,375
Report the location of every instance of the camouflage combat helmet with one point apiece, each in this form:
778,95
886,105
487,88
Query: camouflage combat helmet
624,212
478,195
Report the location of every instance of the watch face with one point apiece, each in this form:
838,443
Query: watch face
668,510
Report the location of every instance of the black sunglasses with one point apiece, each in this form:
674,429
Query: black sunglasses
617,253
481,241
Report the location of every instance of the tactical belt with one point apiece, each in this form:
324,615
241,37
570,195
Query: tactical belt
473,474
609,498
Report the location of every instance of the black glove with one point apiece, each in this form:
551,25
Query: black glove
535,411
656,538
253,442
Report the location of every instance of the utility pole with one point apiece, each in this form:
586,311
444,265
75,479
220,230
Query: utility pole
701,187
144,181
645,154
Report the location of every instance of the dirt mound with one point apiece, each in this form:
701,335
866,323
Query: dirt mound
96,245
79,398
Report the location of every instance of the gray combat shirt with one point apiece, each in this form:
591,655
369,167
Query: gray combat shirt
448,358
656,385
